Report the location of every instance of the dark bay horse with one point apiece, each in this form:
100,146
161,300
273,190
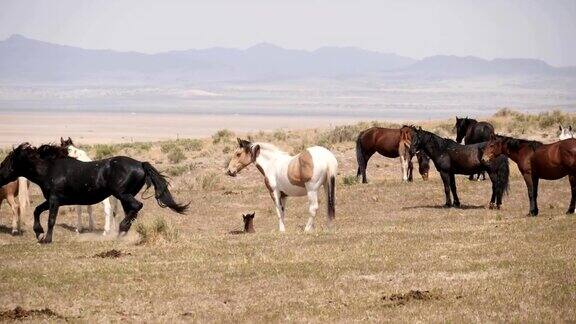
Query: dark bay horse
472,132
538,161
67,181
391,143
451,158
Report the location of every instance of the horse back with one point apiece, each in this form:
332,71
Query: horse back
382,140
479,132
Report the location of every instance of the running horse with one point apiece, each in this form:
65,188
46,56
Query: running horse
286,175
391,143
110,204
537,161
12,190
65,181
473,132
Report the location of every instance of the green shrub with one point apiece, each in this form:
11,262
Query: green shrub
102,151
349,180
280,135
177,170
338,134
221,136
176,155
209,181
191,144
157,228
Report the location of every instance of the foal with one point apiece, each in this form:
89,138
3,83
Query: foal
538,161
109,209
17,188
391,143
286,175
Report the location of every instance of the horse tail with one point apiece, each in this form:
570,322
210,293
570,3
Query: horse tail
502,174
23,197
162,194
360,157
331,189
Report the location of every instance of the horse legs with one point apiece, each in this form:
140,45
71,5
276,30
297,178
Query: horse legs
37,211
535,195
131,208
53,213
410,170
107,216
279,210
453,188
572,179
15,214
79,219
404,164
89,209
446,181
362,165
529,179
313,207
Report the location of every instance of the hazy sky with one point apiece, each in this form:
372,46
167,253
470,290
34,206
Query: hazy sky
544,29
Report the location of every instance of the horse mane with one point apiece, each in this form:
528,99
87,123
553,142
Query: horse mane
516,143
44,152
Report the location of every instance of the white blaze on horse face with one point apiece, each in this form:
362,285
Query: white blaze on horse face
239,161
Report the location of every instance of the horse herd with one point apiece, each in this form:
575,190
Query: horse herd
67,176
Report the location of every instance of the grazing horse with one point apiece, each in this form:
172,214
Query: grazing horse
472,132
286,175
17,188
451,158
391,143
565,132
65,181
538,161
109,209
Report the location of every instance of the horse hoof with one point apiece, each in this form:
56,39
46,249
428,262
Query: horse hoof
447,206
568,212
456,205
15,232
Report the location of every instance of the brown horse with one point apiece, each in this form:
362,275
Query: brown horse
391,143
17,188
538,161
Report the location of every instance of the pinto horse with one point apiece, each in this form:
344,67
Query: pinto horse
391,143
451,158
65,181
110,204
285,175
538,161
565,132
472,132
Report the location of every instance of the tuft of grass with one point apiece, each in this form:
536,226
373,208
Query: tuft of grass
209,181
280,135
222,136
177,170
338,134
191,144
102,151
350,180
176,155
154,230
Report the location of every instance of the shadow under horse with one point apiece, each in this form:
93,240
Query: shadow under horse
67,181
537,161
390,143
451,158
473,132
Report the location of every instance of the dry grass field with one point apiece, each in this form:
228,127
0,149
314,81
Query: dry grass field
394,255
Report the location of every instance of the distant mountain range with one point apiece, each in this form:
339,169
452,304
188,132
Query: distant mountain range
24,60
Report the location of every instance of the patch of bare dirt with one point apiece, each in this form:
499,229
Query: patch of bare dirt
412,295
113,254
21,313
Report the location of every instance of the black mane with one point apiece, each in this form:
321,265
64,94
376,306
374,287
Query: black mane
516,143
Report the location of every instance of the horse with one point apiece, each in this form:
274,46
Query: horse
286,175
537,161
451,158
472,132
65,181
391,143
17,188
110,204
565,132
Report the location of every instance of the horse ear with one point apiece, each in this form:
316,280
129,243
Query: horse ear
255,151
239,141
570,127
560,127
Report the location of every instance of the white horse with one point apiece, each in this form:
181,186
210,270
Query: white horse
110,204
286,175
12,190
565,133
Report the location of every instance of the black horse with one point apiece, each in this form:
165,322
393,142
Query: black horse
451,158
67,181
472,132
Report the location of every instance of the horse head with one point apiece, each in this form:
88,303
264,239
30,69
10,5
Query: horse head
244,155
416,140
494,148
565,132
461,127
66,142
10,167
